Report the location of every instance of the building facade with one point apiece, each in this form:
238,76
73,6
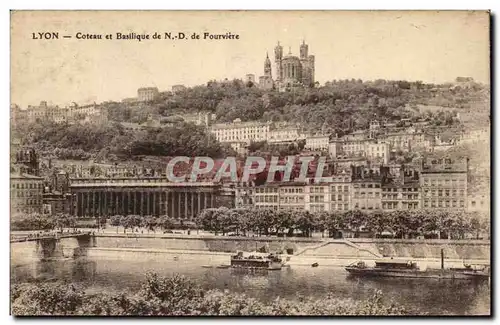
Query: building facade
444,185
26,193
241,131
147,94
317,142
291,71
154,196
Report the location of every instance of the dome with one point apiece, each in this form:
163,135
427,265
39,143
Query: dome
291,58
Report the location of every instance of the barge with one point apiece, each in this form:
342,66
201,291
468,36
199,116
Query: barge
409,269
256,261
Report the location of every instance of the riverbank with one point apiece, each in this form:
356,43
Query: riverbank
218,258
304,247
303,251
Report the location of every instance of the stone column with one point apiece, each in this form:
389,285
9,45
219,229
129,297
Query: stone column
186,209
87,197
212,200
119,203
148,203
205,205
154,203
165,208
93,209
103,203
159,201
192,205
79,204
127,210
179,198
199,202
135,206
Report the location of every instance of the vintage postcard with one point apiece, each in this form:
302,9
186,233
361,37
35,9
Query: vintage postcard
240,163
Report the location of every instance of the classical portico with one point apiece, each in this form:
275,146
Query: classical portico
107,197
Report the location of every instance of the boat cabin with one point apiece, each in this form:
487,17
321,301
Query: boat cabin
392,264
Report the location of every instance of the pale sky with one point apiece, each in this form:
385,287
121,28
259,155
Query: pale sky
427,46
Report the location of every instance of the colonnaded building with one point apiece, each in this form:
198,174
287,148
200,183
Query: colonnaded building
92,197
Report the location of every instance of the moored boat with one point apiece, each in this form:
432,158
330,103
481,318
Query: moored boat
410,269
256,260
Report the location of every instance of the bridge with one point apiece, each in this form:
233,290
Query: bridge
35,247
53,236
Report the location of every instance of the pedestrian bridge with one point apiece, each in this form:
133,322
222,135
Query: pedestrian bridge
35,247
55,236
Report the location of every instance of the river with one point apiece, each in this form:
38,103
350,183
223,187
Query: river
124,272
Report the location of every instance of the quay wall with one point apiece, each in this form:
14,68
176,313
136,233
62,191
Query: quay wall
303,248
313,247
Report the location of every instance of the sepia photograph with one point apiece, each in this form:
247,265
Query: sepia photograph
250,163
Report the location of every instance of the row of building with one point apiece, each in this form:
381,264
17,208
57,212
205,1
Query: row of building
435,186
376,144
70,114
439,184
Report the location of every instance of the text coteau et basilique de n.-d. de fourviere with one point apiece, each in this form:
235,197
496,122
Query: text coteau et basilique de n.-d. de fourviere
291,71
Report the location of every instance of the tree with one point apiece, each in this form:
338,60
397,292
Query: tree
305,222
355,220
148,222
126,222
285,220
263,220
321,221
166,222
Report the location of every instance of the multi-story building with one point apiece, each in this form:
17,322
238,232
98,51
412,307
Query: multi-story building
374,150
340,192
241,131
26,161
444,185
284,134
267,197
26,193
317,197
366,189
199,118
366,194
377,152
147,94
317,142
292,196
70,114
400,192
244,194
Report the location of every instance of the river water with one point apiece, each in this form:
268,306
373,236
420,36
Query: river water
124,272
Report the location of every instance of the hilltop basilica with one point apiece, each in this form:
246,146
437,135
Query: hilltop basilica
291,71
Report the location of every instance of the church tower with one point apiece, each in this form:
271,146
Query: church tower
303,50
267,67
278,57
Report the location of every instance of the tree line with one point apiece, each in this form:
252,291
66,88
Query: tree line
114,142
180,296
439,224
149,223
399,224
